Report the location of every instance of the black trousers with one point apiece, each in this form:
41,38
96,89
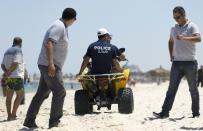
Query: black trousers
48,84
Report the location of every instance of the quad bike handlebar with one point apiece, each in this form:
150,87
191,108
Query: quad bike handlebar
110,77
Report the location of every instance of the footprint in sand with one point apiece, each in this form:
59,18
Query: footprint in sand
1,110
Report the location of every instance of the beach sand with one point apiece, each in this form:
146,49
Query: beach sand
147,98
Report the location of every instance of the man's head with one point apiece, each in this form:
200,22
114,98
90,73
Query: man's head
104,34
17,41
179,15
69,16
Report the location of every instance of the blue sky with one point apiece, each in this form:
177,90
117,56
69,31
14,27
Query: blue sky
141,26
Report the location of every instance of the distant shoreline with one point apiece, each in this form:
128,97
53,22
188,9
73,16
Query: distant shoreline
33,85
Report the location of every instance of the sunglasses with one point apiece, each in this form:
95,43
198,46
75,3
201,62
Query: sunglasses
176,17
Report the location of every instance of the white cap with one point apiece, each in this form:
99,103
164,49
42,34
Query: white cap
102,31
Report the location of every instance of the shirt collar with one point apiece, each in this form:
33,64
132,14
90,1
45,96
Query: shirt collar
186,24
63,23
102,40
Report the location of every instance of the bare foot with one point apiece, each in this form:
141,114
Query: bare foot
9,118
12,117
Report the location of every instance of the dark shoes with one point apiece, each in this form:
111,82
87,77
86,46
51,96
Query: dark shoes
54,124
30,123
195,115
161,115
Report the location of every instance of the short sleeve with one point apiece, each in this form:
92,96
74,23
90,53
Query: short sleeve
18,56
55,33
3,61
88,53
171,32
195,29
114,53
118,53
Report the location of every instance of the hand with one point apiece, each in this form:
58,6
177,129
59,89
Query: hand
77,75
180,37
122,57
171,58
120,70
6,74
51,70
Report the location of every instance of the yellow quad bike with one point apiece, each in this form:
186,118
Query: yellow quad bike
104,90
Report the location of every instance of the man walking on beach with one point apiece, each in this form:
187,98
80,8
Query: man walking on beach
50,63
182,49
13,68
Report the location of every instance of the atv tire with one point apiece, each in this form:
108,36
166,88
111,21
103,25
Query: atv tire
82,103
125,101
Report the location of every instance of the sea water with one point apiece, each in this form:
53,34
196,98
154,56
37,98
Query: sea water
32,86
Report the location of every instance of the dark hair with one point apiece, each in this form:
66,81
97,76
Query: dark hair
179,9
17,41
69,13
101,36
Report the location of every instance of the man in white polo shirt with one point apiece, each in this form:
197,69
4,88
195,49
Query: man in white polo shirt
51,60
182,48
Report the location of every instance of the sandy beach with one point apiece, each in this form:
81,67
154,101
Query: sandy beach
147,98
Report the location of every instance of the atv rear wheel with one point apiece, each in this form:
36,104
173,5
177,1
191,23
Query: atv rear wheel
82,103
125,101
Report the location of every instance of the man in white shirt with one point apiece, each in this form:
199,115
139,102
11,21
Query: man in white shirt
13,68
182,49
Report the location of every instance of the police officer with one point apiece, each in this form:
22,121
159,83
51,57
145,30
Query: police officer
103,55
